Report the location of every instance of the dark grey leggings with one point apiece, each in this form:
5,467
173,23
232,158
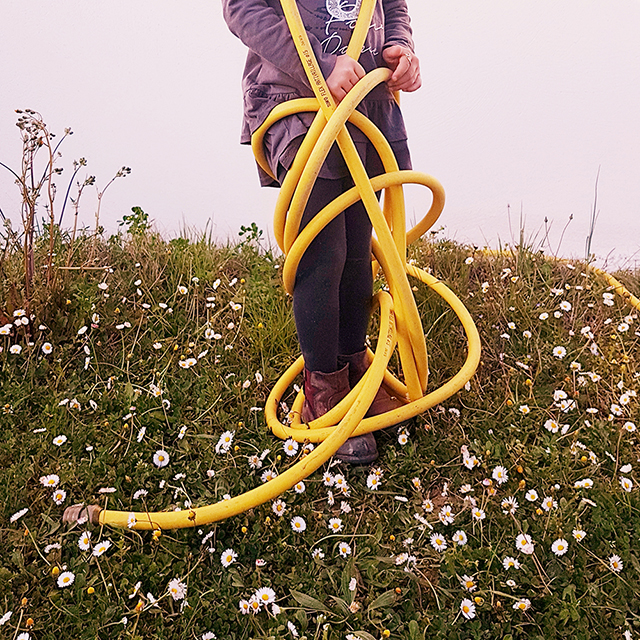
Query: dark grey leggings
333,288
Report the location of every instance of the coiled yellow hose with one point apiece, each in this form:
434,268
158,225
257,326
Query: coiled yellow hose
399,319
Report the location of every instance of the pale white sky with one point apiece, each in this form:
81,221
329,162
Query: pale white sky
523,101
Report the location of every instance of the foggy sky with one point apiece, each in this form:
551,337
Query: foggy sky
523,103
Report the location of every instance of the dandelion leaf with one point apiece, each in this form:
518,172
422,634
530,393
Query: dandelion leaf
342,605
364,635
309,602
348,573
236,579
53,524
387,599
414,631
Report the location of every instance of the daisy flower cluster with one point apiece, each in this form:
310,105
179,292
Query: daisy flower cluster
259,600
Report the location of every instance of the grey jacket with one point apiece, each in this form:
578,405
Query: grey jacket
273,72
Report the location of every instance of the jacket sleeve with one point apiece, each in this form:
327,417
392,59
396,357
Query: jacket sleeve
264,30
397,24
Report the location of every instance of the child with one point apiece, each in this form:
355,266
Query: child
333,287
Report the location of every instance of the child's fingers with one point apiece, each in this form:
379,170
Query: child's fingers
344,76
407,74
403,66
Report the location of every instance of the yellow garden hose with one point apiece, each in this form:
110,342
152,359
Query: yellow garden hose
399,319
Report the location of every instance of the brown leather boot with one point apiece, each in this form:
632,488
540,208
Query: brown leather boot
358,366
322,392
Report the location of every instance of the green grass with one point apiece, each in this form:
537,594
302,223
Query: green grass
114,423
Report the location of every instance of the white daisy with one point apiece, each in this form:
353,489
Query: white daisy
525,544
560,547
161,458
478,514
298,524
468,583
279,507
265,595
228,557
559,352
268,475
500,474
549,503
509,505
468,609
290,447
616,409
446,515
438,542
65,579
328,479
335,524
616,564
427,505
373,481
51,480
522,605
177,589
84,541
101,548
459,538
224,443
626,484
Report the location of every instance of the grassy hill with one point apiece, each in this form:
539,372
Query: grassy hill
510,512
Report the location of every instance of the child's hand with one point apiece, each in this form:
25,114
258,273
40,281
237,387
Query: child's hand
344,76
405,66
